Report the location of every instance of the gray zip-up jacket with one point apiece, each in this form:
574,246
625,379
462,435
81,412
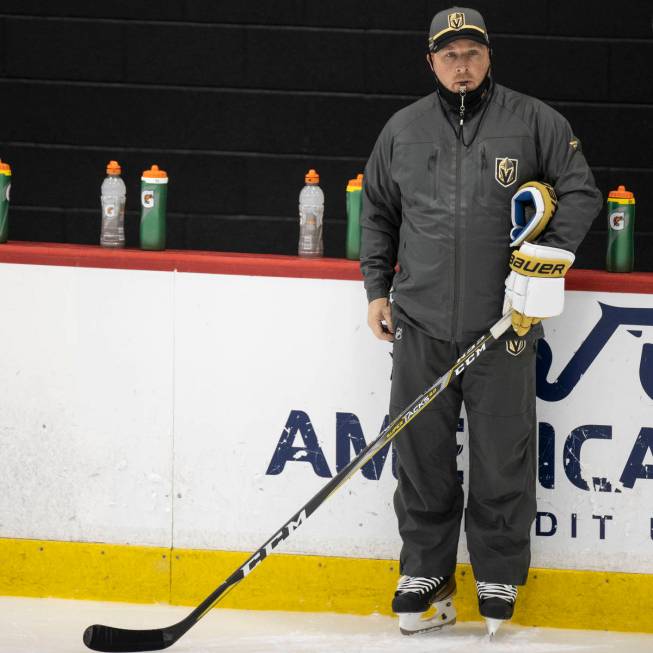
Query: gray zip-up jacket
441,209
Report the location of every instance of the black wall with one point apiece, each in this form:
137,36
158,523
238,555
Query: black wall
236,99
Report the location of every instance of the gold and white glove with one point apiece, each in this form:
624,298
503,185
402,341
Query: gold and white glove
531,209
535,287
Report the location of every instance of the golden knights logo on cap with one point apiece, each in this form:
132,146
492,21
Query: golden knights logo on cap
505,171
456,20
456,23
515,347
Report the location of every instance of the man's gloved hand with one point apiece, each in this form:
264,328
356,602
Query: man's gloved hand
535,287
379,319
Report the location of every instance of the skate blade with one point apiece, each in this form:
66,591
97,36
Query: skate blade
435,618
492,626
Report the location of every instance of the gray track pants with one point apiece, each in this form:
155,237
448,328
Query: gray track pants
499,395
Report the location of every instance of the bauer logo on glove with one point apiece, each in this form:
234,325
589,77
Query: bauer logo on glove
531,209
531,266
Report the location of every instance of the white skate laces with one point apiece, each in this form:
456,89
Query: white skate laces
496,591
419,584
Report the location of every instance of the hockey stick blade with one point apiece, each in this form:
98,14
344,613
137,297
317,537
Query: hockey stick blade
107,638
123,640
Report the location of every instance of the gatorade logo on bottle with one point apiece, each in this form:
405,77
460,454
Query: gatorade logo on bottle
147,199
617,220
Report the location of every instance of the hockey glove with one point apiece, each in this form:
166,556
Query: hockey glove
531,208
535,287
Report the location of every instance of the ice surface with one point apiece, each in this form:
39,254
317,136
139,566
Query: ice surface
56,626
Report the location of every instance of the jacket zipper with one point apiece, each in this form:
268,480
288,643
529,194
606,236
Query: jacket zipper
456,239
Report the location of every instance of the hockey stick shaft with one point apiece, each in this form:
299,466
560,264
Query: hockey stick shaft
107,638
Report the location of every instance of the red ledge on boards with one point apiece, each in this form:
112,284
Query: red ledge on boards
262,265
266,265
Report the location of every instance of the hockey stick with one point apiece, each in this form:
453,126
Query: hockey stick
107,638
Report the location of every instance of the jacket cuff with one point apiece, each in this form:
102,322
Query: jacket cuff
376,293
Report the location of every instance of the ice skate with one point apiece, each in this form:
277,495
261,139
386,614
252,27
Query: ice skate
496,602
424,603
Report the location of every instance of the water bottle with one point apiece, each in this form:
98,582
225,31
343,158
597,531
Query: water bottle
5,187
154,197
113,196
621,228
354,202
311,211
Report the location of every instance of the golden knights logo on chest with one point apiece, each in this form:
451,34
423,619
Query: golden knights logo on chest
505,171
457,20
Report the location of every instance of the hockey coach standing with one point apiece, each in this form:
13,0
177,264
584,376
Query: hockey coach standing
481,195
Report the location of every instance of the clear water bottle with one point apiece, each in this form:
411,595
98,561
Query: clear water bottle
311,211
113,196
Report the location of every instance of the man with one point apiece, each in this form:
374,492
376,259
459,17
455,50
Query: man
437,203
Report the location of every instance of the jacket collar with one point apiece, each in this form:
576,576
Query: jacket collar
473,101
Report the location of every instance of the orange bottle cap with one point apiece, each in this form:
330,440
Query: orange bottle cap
621,193
5,168
155,173
113,168
355,184
312,177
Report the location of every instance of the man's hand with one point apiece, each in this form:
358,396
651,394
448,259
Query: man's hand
378,313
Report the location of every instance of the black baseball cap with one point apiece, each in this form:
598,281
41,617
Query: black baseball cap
457,23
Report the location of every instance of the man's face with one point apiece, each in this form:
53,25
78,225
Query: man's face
462,62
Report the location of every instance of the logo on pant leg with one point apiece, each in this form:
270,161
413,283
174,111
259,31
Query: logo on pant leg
398,333
515,347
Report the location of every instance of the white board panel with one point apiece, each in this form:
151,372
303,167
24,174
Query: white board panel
268,347
86,417
240,396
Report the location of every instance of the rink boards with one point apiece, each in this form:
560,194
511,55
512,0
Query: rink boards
182,417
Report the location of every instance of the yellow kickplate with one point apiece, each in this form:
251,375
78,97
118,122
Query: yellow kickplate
597,600
287,582
551,598
80,570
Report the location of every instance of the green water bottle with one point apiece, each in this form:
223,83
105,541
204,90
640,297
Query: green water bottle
5,187
154,194
621,230
354,199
